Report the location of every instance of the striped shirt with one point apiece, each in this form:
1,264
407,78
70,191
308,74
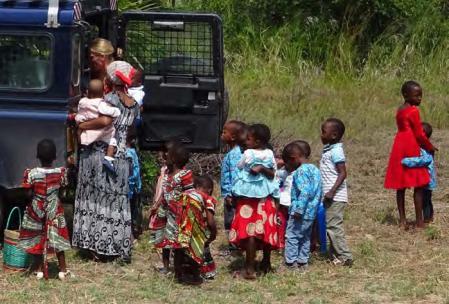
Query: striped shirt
331,157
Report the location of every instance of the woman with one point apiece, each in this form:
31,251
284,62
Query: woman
101,55
102,217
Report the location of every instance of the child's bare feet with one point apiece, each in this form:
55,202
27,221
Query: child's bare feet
249,275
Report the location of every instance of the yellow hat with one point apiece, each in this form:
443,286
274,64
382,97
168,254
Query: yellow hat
102,46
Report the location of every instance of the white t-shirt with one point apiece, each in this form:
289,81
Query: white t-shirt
333,155
285,182
137,93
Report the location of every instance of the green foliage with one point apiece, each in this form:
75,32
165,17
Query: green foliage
149,170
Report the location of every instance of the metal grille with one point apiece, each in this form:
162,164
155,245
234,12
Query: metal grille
171,48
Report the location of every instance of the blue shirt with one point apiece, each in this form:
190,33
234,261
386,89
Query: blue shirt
424,160
229,170
134,181
306,191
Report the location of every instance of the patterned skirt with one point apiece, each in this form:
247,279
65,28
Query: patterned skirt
257,218
102,215
39,230
193,232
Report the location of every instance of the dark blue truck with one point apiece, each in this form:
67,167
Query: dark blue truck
44,49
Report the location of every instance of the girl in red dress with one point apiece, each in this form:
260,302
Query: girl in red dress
409,138
44,228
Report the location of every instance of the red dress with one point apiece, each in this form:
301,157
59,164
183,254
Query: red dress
255,217
409,138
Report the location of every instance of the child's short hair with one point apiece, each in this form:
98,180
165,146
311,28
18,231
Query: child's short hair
408,85
170,144
304,146
180,155
46,151
338,126
289,149
203,181
260,132
427,127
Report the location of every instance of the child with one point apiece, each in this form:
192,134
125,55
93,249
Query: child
333,175
157,222
90,108
197,230
44,227
425,160
285,177
135,182
136,89
408,140
306,195
232,137
254,224
175,182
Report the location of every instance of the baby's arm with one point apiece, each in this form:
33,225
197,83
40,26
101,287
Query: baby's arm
108,110
424,160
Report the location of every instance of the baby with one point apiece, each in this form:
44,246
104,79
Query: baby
90,108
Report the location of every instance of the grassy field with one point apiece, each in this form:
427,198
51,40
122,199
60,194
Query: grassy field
391,266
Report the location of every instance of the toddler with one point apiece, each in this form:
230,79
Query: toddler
91,108
44,227
333,174
285,178
254,224
197,230
425,160
135,182
233,132
176,180
136,89
306,195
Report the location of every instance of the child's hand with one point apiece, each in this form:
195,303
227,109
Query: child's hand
297,216
329,195
256,169
228,201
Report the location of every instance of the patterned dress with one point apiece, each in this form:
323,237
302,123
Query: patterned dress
165,225
102,216
193,230
44,223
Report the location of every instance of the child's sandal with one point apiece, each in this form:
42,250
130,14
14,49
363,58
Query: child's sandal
64,275
39,275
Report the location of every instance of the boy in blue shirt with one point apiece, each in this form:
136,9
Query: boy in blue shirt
425,160
234,135
135,182
306,195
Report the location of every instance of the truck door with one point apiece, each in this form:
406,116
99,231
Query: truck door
181,55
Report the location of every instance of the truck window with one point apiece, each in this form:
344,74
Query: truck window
25,61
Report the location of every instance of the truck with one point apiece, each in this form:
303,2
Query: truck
44,54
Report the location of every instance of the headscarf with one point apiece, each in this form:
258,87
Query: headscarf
120,73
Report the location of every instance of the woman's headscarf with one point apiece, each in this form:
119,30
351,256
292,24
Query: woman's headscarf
120,73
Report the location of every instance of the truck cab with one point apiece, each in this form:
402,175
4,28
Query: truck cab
44,68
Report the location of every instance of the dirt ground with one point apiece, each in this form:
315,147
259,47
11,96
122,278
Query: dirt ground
391,265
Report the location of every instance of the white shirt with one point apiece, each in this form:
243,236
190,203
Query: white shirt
285,182
137,93
333,155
